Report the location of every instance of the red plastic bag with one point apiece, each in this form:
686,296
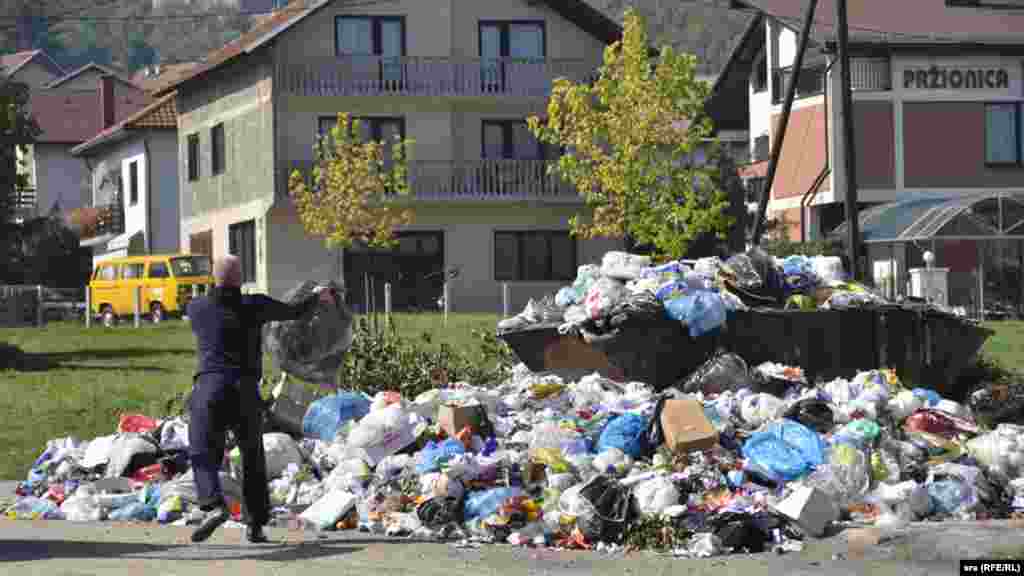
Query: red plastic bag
939,423
137,423
149,473
56,493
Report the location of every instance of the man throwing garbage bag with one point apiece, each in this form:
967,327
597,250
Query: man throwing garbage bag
225,392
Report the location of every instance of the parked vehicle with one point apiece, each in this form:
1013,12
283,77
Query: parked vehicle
168,283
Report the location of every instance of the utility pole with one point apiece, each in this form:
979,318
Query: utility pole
849,150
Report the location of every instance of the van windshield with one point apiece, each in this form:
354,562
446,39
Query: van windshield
191,266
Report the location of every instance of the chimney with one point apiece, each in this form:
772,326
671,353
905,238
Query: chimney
106,93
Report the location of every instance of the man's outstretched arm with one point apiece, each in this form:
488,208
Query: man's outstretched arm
271,310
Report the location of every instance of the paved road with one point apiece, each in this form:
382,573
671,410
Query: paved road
66,549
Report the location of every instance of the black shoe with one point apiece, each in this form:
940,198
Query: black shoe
255,535
213,520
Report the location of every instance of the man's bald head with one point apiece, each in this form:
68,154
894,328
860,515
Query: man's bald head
227,272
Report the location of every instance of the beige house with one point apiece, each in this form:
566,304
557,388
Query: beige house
457,76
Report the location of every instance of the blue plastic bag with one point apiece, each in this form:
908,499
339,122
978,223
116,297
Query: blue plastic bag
435,454
326,416
671,290
134,511
947,496
626,433
930,396
483,503
566,296
789,450
702,311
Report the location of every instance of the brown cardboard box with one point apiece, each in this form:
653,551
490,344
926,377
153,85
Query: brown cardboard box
454,418
686,427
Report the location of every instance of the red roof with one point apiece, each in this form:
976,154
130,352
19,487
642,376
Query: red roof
160,114
169,75
74,117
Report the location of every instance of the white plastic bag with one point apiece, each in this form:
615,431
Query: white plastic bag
655,495
612,459
98,451
326,511
623,266
376,425
124,448
904,404
280,451
603,296
174,435
84,508
759,409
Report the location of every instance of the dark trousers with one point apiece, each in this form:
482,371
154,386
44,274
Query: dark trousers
222,402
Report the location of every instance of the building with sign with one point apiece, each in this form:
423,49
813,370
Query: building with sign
937,92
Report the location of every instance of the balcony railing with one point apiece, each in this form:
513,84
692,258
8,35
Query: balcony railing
485,180
866,74
23,204
102,220
425,76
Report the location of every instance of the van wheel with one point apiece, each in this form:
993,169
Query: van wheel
107,316
156,313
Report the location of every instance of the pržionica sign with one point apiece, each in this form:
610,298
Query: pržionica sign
936,78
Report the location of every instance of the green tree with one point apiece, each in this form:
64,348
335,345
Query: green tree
89,48
353,188
140,53
17,128
630,141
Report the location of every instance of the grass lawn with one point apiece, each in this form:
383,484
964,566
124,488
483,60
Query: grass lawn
83,379
80,380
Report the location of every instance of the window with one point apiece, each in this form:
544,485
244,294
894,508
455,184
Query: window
759,80
512,139
500,41
107,272
193,157
191,266
131,271
379,36
242,243
1002,134
534,256
217,148
378,128
158,270
133,182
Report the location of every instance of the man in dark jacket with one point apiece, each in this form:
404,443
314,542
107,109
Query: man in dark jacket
225,393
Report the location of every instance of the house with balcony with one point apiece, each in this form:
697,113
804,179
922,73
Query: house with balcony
937,87
459,77
133,170
70,110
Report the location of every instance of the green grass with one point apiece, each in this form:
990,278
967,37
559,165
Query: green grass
1006,346
77,381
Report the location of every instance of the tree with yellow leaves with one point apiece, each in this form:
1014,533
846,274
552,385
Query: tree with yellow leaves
630,141
351,193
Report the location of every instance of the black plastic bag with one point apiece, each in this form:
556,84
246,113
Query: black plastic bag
722,373
812,413
614,509
743,273
749,532
439,512
655,435
313,347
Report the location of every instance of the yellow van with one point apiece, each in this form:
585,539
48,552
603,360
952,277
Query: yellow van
167,283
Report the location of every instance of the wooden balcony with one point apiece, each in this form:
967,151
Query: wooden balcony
424,76
23,203
96,224
478,180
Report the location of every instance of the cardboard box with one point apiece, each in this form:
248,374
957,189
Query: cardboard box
454,418
686,427
810,508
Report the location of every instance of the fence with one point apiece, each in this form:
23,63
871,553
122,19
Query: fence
24,305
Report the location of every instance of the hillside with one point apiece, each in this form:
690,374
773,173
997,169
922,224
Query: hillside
130,34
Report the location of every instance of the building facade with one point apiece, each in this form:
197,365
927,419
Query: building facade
937,93
459,78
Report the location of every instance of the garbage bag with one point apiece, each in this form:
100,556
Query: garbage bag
129,452
566,296
623,266
626,432
719,374
174,435
32,508
758,409
483,503
280,451
948,497
326,416
613,509
936,422
603,296
137,423
136,511
84,508
438,512
811,412
846,476
787,449
312,347
435,454
701,310
612,461
655,495
328,510
739,270
664,273
671,290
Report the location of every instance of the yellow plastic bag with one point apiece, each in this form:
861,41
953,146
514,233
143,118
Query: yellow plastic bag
552,458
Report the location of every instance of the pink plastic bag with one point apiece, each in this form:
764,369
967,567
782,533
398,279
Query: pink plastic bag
137,423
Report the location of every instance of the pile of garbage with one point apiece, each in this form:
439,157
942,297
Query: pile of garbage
736,458
699,295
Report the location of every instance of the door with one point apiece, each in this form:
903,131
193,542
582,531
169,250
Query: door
160,286
512,55
103,282
414,268
131,279
374,47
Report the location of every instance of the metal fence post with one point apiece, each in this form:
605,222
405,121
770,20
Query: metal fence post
39,305
447,302
137,296
387,303
88,307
